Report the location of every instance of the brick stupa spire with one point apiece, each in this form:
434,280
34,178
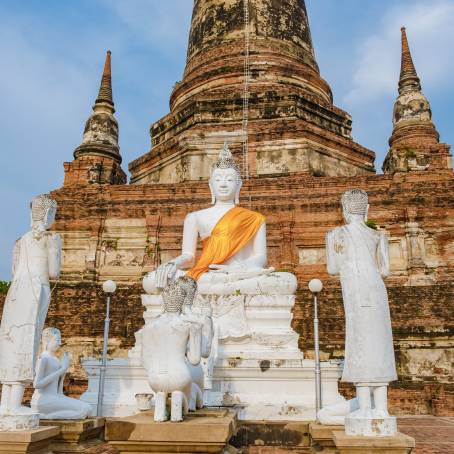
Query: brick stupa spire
414,143
409,79
105,89
98,159
287,99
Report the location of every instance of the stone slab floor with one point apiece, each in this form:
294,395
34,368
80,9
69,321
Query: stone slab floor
433,436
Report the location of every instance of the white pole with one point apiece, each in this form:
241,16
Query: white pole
109,287
318,381
316,286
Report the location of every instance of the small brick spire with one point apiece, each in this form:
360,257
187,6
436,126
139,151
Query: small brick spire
105,90
409,79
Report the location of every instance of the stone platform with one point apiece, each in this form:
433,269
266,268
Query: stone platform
397,444
321,437
76,436
255,364
433,435
205,431
35,441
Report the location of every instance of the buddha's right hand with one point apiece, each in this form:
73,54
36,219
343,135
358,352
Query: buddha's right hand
165,272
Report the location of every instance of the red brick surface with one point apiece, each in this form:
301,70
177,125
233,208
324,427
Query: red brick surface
432,435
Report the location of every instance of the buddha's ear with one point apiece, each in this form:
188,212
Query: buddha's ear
367,213
213,196
237,193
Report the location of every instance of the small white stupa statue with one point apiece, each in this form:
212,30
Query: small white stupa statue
48,399
359,255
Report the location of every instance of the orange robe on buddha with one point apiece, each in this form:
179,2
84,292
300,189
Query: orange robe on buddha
231,233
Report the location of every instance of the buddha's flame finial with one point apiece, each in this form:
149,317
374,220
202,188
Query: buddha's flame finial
226,160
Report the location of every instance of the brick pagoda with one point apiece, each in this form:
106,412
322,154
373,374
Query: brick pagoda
301,158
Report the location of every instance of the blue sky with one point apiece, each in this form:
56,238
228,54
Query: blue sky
52,53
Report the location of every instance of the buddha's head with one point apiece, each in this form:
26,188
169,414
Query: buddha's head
355,204
43,211
174,295
51,339
225,180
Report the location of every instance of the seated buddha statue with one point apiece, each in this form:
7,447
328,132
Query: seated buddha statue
234,256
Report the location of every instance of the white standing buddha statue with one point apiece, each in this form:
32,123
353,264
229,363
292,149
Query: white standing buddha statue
359,255
234,255
48,399
36,259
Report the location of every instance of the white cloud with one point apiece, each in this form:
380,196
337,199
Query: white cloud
431,37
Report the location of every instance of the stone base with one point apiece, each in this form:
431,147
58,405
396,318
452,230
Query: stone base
288,435
13,423
322,438
257,366
28,441
371,427
76,435
205,431
271,390
398,444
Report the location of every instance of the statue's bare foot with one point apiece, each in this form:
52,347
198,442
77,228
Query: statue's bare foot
160,411
176,413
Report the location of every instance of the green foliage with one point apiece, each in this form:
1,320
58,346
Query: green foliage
372,224
4,286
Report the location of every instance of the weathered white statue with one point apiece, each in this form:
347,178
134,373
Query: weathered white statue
234,255
36,259
48,399
359,255
201,315
170,343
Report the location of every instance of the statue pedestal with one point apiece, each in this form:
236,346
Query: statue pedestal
18,422
36,441
76,436
371,427
398,444
205,431
256,363
322,438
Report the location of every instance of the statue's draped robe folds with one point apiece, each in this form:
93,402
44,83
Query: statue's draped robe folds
25,308
231,233
360,255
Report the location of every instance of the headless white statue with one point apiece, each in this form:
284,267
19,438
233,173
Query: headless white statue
36,258
359,255
246,270
48,399
202,317
171,343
